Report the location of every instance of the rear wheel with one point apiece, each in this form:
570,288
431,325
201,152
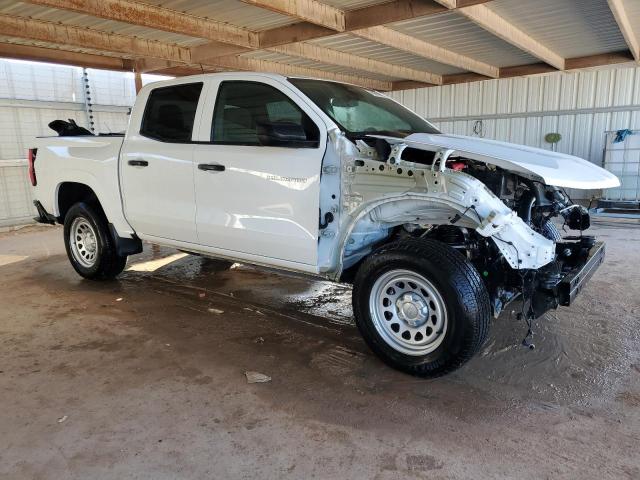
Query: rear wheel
89,244
421,306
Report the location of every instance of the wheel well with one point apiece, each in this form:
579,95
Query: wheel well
70,193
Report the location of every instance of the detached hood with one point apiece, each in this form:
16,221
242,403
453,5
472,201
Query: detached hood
553,168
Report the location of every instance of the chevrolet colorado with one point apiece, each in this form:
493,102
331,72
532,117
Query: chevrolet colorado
437,233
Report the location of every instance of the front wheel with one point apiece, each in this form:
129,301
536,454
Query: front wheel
89,244
421,306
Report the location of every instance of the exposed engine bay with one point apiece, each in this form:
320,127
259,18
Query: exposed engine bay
501,220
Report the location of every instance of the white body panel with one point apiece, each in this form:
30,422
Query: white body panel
265,202
92,161
557,169
159,199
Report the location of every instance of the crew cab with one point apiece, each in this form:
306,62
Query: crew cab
437,233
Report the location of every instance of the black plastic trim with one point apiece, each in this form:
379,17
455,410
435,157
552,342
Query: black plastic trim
43,215
125,246
571,285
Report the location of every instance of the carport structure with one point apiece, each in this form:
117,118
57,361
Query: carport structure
383,45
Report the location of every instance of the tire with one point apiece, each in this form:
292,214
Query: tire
448,285
92,251
550,231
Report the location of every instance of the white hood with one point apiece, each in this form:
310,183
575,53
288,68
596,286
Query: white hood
558,169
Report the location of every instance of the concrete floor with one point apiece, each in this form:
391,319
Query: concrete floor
143,377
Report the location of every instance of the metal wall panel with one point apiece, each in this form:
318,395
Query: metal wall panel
580,105
32,95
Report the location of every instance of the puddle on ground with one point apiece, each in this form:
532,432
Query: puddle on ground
581,353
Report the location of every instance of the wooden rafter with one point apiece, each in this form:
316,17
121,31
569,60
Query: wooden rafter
85,38
253,64
407,43
156,17
367,22
310,11
62,57
74,37
239,40
348,60
626,27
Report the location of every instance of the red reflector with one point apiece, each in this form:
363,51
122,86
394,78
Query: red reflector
32,166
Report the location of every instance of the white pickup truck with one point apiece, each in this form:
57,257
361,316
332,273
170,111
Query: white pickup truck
437,233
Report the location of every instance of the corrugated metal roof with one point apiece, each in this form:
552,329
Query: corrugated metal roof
455,32
366,48
303,62
568,27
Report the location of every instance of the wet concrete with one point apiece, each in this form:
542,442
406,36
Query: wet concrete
143,377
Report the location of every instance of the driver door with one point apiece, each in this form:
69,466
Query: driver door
254,199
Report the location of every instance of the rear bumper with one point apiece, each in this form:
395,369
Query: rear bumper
43,215
571,285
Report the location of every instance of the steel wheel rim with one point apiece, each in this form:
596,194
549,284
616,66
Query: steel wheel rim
408,312
84,242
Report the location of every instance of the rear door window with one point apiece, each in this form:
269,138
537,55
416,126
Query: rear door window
170,113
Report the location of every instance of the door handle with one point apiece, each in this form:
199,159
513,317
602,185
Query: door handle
138,163
211,167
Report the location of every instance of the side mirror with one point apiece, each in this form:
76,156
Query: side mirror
283,134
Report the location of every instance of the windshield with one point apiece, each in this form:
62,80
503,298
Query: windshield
359,112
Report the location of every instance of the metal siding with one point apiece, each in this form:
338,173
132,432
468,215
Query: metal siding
515,109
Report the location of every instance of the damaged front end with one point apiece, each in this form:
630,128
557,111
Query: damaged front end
499,218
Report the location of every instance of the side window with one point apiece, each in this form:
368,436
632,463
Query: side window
251,113
170,112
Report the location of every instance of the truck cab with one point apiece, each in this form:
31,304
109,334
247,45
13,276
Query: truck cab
437,233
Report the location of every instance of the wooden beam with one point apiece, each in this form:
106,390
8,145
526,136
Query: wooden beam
298,32
125,45
159,18
390,12
407,43
148,65
253,64
365,22
310,11
501,28
84,38
76,59
362,17
348,60
241,40
215,49
599,60
624,23
409,85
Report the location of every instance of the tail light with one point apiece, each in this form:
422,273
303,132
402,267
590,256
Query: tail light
32,166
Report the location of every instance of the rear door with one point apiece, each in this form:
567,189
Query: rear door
256,197
156,166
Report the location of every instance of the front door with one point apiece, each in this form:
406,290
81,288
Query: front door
156,165
257,181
